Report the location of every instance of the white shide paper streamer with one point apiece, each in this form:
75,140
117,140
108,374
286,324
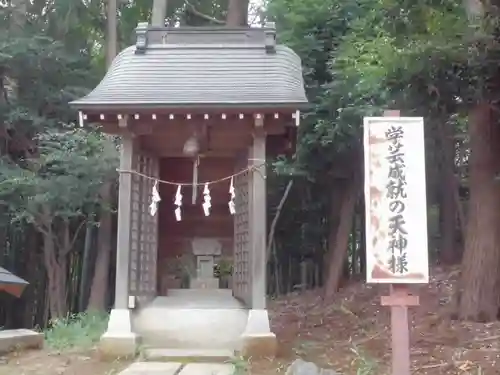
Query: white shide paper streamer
232,195
155,199
206,200
178,203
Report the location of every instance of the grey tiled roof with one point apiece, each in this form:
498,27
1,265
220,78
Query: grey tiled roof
204,75
8,278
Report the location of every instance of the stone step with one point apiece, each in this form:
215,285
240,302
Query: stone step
167,340
186,328
152,368
207,369
185,293
164,340
188,355
169,368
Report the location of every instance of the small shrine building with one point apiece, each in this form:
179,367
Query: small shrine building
197,110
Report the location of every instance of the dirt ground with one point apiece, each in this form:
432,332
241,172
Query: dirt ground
353,331
51,363
350,332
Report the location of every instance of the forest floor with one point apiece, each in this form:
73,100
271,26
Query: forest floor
351,335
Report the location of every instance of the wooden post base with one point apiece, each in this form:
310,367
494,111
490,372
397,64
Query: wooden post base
399,299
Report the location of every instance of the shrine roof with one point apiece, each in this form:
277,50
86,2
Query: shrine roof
200,67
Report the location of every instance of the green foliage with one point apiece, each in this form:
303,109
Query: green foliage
240,365
79,331
40,78
63,180
361,57
51,173
364,364
223,268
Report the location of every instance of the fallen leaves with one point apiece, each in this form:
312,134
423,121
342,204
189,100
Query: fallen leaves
326,331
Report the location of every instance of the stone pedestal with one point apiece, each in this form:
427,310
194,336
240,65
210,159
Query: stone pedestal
205,250
119,341
257,340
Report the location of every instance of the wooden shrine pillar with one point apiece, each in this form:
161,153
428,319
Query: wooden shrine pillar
258,226
119,340
124,223
258,340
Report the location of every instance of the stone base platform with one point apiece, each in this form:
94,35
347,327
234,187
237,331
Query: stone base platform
192,319
20,339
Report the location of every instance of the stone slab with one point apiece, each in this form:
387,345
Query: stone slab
114,346
20,339
204,283
207,369
152,368
188,355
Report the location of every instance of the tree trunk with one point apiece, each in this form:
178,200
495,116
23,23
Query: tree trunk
478,300
337,194
99,289
111,32
354,245
56,276
274,251
100,284
272,230
448,208
159,13
98,292
338,256
32,259
362,243
459,207
237,13
86,271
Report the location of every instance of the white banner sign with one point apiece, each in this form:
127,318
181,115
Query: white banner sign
395,196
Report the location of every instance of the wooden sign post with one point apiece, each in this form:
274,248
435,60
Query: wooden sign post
396,219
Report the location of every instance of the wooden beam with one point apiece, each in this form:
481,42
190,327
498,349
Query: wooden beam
196,118
123,122
258,120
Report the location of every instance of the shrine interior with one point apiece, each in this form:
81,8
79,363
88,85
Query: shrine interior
188,249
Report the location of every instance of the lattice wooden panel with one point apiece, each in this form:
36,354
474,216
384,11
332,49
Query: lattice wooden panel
149,230
135,229
241,272
144,230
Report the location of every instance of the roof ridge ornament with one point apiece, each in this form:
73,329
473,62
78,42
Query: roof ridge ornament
141,37
270,37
